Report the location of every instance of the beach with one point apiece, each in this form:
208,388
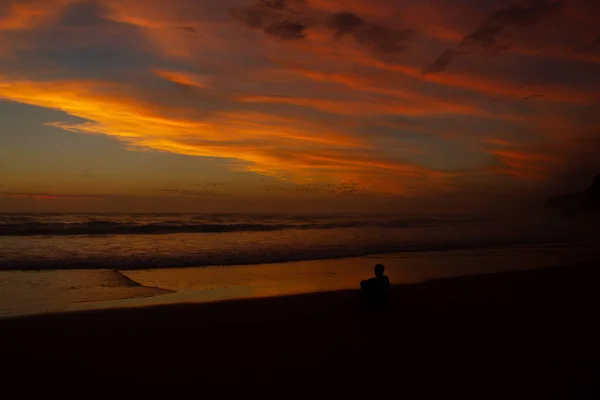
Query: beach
41,291
145,306
523,334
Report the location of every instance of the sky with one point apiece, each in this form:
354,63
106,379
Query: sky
296,105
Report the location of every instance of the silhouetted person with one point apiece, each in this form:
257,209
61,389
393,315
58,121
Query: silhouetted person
377,289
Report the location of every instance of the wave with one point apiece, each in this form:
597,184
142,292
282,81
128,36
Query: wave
130,241
155,261
108,227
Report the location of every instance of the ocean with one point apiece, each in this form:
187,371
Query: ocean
58,262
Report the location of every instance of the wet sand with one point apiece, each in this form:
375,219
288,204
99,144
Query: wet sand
39,292
526,334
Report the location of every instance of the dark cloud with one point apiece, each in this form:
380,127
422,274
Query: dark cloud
533,96
442,61
525,13
287,30
189,29
186,192
592,46
345,23
276,4
211,185
347,189
487,37
283,19
341,189
344,188
382,40
277,18
46,195
82,14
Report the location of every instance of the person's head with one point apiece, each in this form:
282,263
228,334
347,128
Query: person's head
379,270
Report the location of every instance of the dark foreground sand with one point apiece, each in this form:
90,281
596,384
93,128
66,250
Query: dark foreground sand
518,335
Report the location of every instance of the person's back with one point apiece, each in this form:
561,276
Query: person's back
377,289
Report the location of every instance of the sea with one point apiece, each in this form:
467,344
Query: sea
67,262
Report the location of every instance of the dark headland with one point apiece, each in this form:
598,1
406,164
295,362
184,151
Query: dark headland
582,202
518,335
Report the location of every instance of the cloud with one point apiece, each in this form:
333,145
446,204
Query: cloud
194,193
339,189
285,20
383,41
486,37
277,18
592,46
562,164
211,185
185,78
442,61
388,107
345,23
263,143
523,163
422,103
521,14
19,15
496,86
189,29
51,196
323,103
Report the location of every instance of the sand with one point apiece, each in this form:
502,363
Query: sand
527,334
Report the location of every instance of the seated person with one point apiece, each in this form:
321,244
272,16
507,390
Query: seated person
377,289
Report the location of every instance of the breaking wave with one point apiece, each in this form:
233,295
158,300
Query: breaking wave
130,226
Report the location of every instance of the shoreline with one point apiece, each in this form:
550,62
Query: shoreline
396,288
75,290
518,334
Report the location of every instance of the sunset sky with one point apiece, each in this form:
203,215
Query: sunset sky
281,105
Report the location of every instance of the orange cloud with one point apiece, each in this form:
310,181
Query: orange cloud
268,146
321,56
491,86
525,164
370,108
409,102
166,29
184,78
319,107
28,14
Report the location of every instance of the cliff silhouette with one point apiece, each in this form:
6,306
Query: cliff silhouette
587,201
